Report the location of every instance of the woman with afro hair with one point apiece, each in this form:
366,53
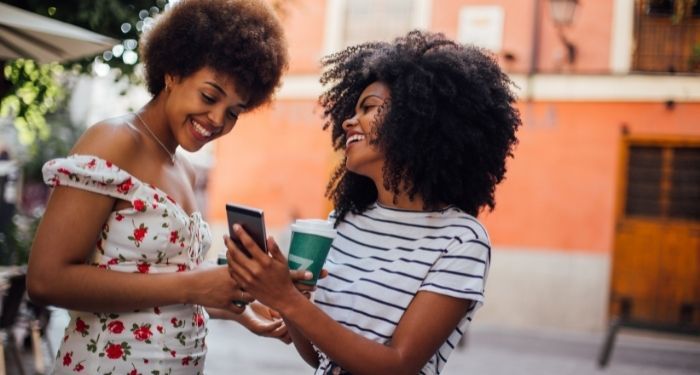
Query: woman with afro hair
121,242
426,126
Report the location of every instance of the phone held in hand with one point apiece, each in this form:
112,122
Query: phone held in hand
251,219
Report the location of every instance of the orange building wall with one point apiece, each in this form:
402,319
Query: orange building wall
590,32
276,159
559,191
304,23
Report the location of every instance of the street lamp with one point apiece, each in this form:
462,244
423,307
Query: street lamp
562,12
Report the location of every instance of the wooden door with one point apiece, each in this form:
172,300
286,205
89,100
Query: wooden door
656,255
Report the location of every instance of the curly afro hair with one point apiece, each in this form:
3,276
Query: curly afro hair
240,38
446,131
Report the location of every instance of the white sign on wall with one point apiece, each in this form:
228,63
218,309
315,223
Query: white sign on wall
482,26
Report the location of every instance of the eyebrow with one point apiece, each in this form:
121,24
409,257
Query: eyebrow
369,96
221,90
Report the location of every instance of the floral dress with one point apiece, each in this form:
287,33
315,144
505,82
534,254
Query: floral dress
155,235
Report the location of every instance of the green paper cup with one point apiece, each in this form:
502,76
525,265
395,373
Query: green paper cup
309,246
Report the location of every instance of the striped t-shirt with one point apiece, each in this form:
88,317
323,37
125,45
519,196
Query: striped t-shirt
382,257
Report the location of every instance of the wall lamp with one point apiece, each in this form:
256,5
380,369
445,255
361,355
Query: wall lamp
562,12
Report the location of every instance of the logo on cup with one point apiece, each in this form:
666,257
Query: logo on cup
302,263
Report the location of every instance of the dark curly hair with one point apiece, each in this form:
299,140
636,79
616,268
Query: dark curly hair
240,38
446,131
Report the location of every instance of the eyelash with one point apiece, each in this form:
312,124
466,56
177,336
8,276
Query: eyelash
211,100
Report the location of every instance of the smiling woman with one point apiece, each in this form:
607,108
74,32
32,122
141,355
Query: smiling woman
139,298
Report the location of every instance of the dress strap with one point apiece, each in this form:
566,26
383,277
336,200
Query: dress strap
91,173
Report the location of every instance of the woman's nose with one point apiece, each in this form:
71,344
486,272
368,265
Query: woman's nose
216,116
349,123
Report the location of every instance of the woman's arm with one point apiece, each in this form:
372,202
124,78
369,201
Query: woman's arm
58,273
73,220
426,324
303,345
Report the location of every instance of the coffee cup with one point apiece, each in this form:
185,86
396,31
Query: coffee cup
309,246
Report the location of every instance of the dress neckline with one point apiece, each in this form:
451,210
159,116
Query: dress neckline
156,188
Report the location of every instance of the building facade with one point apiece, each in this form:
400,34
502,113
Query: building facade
606,177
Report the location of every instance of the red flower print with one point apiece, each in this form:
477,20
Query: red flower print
143,333
145,360
173,321
160,329
81,327
114,351
173,236
115,326
64,171
113,261
139,234
79,367
134,372
119,217
67,359
139,205
186,360
181,267
156,310
65,338
92,163
173,353
199,320
102,266
109,164
125,186
144,267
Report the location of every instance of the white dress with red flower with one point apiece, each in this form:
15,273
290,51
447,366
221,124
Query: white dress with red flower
155,235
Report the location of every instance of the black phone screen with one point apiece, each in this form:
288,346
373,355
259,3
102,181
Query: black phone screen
251,219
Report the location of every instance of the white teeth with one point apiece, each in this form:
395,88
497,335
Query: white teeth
200,129
354,138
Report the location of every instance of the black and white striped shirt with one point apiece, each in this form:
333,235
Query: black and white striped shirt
382,257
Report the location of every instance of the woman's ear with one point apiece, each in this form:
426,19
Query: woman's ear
169,79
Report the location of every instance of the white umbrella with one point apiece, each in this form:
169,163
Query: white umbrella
29,35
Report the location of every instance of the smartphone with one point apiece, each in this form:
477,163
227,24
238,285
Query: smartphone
251,219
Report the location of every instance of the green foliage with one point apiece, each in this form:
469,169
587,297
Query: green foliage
34,91
122,20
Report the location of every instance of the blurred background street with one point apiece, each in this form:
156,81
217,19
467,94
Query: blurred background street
488,350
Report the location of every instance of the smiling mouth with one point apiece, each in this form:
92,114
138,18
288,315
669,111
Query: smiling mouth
354,138
201,130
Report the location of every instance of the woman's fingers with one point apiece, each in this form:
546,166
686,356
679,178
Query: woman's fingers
275,251
250,245
300,275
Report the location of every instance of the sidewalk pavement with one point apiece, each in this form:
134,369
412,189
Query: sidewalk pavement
488,351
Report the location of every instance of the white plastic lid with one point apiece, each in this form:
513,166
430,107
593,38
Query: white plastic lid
318,227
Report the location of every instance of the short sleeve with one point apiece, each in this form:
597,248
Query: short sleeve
461,271
90,173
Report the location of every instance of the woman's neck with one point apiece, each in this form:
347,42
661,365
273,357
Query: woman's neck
402,201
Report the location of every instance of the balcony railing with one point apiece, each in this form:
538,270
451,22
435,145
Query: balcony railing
666,42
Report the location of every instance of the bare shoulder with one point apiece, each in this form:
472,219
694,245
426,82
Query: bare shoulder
115,139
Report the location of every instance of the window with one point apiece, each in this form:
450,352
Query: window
667,36
369,20
663,182
351,22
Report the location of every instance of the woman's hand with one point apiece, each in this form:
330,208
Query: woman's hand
214,287
263,321
264,276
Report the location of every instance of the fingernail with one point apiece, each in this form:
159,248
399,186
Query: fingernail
308,275
236,227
